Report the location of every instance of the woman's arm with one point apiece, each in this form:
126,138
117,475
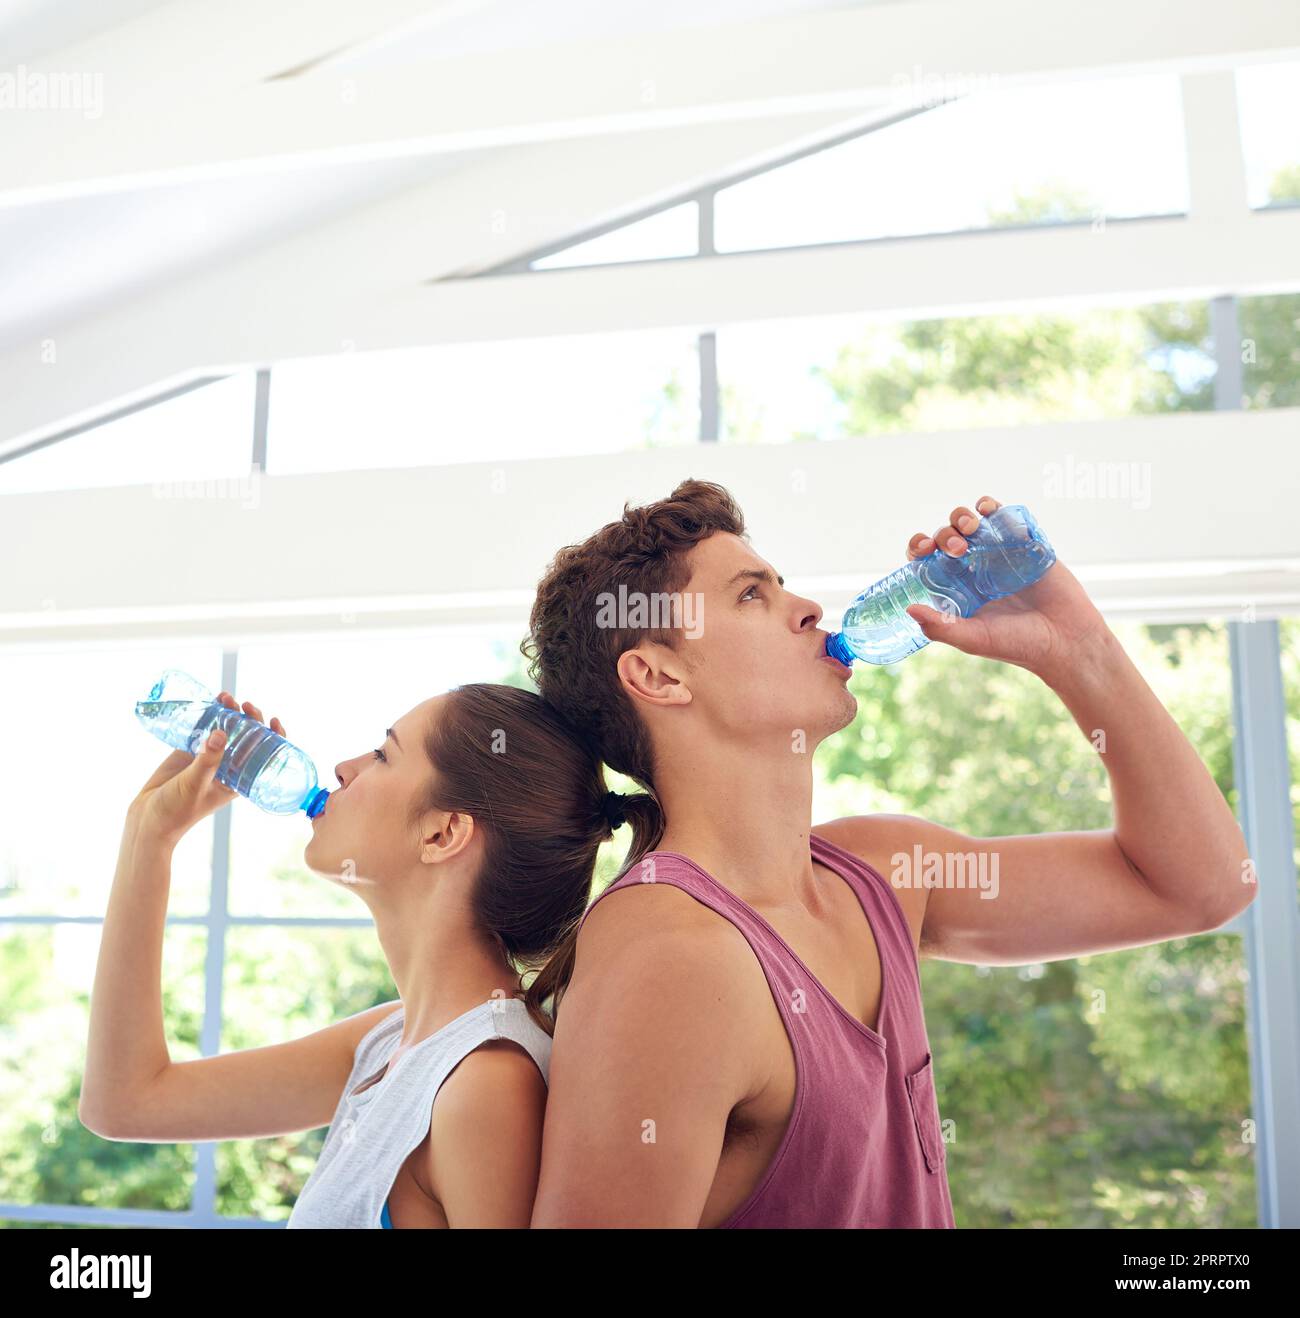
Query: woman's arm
132,1090
127,1045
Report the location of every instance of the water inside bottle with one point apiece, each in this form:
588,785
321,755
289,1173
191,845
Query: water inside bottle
1003,555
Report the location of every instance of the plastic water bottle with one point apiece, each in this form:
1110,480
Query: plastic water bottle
1005,553
257,763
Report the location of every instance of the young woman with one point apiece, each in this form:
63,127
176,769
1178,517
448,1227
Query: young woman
471,834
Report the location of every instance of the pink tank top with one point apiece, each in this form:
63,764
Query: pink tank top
863,1146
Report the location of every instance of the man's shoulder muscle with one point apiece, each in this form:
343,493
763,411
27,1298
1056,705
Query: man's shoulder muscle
655,941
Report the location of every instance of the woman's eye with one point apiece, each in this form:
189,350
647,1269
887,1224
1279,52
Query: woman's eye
379,755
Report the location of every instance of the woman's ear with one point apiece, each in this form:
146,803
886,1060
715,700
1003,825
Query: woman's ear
444,834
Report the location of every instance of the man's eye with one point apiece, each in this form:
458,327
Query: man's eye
752,588
379,755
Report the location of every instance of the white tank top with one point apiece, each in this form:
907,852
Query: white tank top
373,1133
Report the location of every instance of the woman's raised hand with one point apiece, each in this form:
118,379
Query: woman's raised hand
183,789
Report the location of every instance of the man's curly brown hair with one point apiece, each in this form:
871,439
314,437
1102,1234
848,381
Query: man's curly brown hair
572,658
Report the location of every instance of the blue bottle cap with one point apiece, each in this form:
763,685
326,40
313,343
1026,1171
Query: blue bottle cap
315,803
838,648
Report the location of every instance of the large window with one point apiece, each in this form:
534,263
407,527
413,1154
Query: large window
953,154
1268,103
1270,350
75,756
840,377
674,232
1002,156
47,1157
482,402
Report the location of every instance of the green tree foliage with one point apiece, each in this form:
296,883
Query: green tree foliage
1285,185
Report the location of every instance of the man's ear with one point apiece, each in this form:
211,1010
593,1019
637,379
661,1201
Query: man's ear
655,674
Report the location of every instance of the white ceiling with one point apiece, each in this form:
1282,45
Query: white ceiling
474,27
67,258
78,256
30,29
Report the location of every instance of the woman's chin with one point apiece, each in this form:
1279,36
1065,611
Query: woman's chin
342,871
320,862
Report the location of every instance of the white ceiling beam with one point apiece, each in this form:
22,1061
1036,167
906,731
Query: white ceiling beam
32,29
225,575
160,126
194,47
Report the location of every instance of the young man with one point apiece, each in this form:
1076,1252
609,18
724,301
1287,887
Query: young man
740,1039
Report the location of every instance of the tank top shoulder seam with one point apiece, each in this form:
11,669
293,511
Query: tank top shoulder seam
618,884
453,1032
378,1026
877,880
709,883
487,1027
523,1023
525,1033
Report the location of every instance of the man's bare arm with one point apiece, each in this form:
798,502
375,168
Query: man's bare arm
1175,832
1010,901
1171,820
1175,863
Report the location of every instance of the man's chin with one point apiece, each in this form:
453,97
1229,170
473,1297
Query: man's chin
843,711
830,717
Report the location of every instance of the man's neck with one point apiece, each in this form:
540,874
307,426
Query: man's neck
746,823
